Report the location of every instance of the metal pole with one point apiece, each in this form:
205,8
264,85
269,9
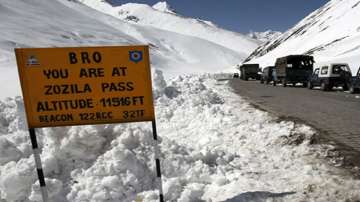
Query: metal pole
38,164
157,161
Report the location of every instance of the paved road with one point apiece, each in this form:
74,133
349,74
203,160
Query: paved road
335,113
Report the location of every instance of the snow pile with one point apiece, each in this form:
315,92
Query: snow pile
155,16
331,33
38,23
210,151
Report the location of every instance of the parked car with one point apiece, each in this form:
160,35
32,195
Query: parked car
331,75
355,83
267,75
236,75
249,71
294,69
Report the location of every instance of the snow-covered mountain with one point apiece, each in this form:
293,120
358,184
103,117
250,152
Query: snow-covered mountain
264,36
162,16
38,23
331,33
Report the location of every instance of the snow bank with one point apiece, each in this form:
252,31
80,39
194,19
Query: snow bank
214,147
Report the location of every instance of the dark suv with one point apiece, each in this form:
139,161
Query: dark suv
331,75
267,75
293,69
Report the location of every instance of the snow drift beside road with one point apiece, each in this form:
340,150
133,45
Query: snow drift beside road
210,151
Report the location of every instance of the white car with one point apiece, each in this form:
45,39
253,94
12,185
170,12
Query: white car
331,75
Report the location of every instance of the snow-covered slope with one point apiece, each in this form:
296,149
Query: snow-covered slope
331,33
163,17
264,36
35,23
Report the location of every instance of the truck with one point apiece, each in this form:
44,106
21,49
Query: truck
354,86
293,69
331,75
249,71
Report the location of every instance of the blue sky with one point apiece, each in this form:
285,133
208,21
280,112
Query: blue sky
244,15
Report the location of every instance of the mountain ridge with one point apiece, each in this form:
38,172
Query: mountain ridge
146,15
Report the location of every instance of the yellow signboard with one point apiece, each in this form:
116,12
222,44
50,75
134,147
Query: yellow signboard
85,85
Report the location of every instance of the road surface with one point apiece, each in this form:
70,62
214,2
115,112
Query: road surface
336,114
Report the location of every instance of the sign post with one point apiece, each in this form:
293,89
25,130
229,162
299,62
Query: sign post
38,165
86,85
157,160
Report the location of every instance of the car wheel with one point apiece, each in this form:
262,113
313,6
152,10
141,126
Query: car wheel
346,87
261,81
305,84
274,83
284,83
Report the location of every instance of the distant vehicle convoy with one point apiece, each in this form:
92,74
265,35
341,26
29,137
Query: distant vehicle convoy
294,69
